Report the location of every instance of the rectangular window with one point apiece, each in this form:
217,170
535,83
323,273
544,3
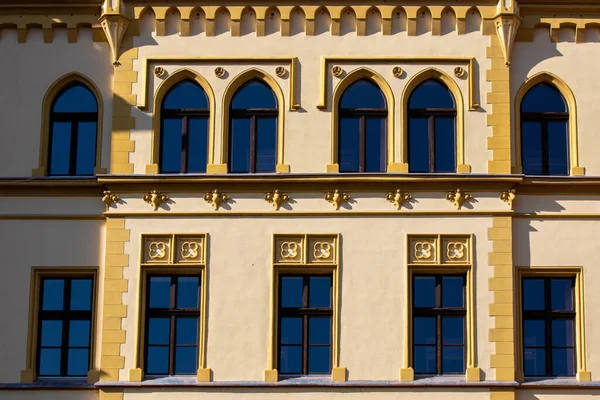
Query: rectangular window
305,324
439,324
548,326
64,326
172,324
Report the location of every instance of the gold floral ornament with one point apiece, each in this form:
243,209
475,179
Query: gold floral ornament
190,250
322,251
216,198
459,72
155,199
509,197
280,72
397,72
219,72
157,251
423,250
109,198
159,72
455,251
458,198
277,198
289,250
337,71
337,198
398,198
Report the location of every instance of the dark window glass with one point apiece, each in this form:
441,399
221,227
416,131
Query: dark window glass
439,314
548,327
172,321
362,128
184,129
64,321
73,132
253,129
544,132
431,128
305,317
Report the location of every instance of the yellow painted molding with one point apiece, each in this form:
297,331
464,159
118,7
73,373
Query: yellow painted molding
473,374
584,376
407,374
282,168
398,167
204,375
547,77
330,213
216,169
502,394
339,374
463,169
271,375
136,375
332,168
152,169
27,376
110,394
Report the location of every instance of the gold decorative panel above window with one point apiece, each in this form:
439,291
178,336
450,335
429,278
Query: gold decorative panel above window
439,249
173,249
305,249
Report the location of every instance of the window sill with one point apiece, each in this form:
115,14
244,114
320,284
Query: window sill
55,384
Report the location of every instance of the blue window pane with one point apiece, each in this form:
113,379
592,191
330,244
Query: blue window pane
320,291
186,360
160,292
424,330
349,144
445,148
543,98
418,145
424,359
453,330
363,94
79,333
187,291
535,362
79,362
254,94
291,291
534,333
81,294
431,94
453,291
424,291
54,290
376,144
158,360
50,362
563,362
319,330
290,359
186,331
319,360
240,145
60,148
185,95
558,148
171,145
562,333
86,148
159,330
531,148
291,330
198,144
561,294
51,333
453,360
75,99
533,294
266,144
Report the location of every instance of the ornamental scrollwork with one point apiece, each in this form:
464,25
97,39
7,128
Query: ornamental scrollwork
455,250
337,71
398,198
277,198
216,198
509,197
458,198
190,250
155,199
423,250
280,72
289,250
109,198
336,198
322,250
157,250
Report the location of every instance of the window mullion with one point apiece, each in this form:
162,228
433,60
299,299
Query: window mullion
431,137
362,144
253,133
184,143
64,359
545,149
73,148
305,344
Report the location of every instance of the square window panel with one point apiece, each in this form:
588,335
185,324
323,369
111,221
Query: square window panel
320,292
78,363
186,360
453,359
290,359
319,359
50,362
424,359
535,361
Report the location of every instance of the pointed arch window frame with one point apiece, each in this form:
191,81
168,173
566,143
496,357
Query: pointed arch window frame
452,86
573,152
340,88
161,92
50,97
235,84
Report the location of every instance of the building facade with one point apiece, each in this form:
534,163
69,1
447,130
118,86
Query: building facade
316,200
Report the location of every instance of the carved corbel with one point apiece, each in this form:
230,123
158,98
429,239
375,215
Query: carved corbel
114,23
458,198
336,198
216,198
507,24
277,198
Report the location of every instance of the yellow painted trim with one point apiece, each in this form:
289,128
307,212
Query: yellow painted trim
327,61
582,373
29,374
331,213
146,72
234,85
339,373
204,374
547,77
172,80
53,91
415,81
338,91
